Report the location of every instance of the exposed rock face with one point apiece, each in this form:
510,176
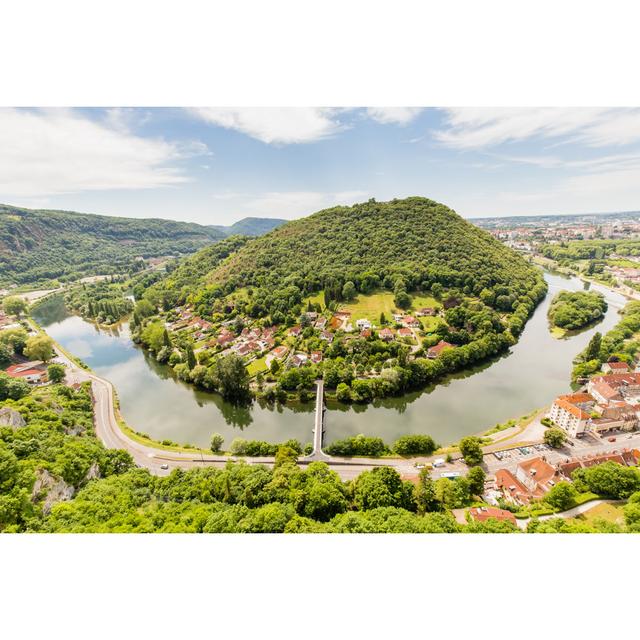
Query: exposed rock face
93,473
52,488
11,418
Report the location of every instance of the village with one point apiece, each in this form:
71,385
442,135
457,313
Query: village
261,346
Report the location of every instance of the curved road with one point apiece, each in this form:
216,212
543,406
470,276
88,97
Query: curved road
152,458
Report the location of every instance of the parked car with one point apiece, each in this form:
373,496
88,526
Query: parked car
612,439
164,466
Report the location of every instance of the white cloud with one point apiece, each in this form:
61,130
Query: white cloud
289,204
274,125
394,115
470,127
57,151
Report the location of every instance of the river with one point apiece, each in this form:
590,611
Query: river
153,401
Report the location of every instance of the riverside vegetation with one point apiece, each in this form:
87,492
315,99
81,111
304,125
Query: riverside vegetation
576,309
56,476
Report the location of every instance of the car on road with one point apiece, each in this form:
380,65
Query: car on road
164,466
612,439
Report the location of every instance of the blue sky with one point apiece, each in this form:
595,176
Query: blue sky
217,165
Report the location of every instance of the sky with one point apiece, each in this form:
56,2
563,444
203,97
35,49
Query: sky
218,165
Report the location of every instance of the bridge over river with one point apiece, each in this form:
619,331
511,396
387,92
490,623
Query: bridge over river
318,427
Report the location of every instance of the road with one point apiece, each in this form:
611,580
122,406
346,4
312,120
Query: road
153,458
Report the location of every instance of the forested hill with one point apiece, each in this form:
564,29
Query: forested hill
40,245
251,226
415,239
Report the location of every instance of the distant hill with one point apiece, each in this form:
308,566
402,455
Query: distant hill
39,245
250,226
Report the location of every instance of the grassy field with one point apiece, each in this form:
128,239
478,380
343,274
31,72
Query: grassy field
256,366
317,299
429,324
420,301
371,306
623,262
608,512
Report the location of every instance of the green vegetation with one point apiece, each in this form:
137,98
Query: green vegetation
415,240
39,347
576,309
555,437
471,450
359,445
55,476
54,452
609,480
620,343
14,306
41,246
104,302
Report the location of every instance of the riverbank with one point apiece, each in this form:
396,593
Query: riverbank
154,402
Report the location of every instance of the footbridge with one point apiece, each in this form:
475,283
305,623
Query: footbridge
318,427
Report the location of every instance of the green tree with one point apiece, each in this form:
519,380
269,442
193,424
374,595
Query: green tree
15,338
562,496
5,355
476,478
426,497
231,378
555,437
216,442
349,290
14,306
39,347
56,373
471,450
592,351
191,357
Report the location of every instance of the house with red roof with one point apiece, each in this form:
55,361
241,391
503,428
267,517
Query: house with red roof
405,332
280,352
33,372
615,367
482,514
410,321
316,357
435,351
385,334
532,480
225,338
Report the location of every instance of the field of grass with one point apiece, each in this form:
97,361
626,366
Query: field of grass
419,301
623,262
428,323
317,299
609,512
256,366
372,305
